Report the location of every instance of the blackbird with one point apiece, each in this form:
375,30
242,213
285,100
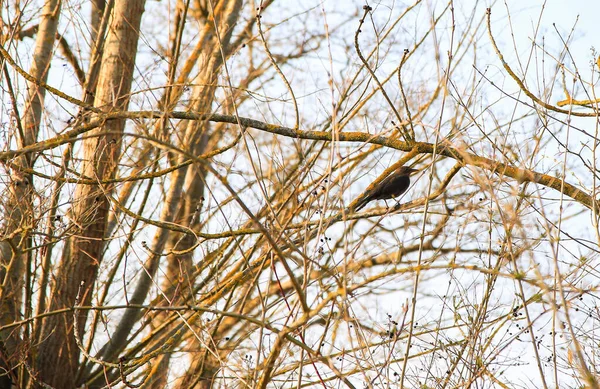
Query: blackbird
392,186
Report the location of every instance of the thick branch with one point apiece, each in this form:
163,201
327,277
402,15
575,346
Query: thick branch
447,150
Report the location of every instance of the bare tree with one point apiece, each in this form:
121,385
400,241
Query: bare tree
181,179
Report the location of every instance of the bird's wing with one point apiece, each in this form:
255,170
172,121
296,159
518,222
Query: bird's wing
395,186
378,191
374,194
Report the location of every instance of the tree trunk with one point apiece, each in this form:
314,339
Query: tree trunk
14,263
78,269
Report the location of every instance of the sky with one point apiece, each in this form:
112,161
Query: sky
524,14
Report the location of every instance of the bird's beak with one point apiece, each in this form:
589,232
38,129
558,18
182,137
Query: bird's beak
412,171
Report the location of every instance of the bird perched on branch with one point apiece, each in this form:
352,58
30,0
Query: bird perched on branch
392,186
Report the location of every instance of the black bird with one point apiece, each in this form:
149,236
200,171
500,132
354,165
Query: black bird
392,186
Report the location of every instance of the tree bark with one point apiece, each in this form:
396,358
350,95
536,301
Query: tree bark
14,263
78,269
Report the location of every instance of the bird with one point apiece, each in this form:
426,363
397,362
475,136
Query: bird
396,183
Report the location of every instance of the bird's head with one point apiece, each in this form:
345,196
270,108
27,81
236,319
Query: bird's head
406,171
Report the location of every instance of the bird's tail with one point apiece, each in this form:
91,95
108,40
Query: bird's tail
361,204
